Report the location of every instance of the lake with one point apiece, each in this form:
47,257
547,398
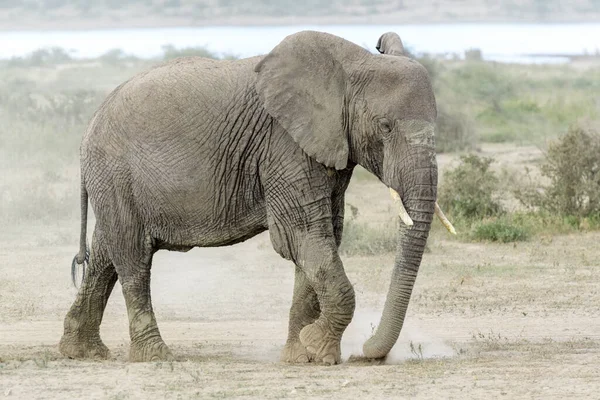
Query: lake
521,43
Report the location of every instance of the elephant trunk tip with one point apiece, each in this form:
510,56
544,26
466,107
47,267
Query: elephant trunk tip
372,349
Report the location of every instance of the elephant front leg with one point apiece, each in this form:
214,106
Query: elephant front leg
304,311
325,273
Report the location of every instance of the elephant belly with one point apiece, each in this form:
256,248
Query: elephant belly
185,213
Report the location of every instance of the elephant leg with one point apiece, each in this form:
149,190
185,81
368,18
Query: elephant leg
304,311
133,265
325,273
81,338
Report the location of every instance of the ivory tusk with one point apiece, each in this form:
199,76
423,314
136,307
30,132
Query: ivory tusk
442,217
403,213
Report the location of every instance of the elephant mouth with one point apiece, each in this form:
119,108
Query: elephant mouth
407,220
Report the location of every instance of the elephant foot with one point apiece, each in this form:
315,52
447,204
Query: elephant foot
155,350
321,344
295,353
74,347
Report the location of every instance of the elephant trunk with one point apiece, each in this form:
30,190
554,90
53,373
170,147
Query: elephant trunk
419,201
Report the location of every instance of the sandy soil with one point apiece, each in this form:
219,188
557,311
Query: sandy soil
486,320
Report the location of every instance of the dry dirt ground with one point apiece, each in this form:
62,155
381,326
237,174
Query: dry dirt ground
486,320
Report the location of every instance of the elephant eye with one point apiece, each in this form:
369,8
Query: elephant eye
385,125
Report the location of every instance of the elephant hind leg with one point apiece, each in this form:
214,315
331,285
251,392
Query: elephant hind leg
304,311
81,338
132,252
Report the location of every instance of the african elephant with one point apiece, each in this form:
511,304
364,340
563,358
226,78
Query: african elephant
198,152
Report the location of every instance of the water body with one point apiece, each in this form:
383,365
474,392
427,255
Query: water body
521,43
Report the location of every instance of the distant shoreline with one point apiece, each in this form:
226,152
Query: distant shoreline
152,22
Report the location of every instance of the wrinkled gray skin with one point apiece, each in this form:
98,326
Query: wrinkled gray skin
198,152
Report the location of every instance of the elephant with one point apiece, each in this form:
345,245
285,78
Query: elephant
198,152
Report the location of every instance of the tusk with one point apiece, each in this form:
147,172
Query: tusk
403,213
442,217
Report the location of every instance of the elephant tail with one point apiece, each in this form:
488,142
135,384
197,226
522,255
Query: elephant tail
83,257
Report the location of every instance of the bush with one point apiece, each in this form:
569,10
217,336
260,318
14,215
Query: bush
499,230
572,167
469,191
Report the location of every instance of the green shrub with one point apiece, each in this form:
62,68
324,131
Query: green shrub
572,167
469,191
499,230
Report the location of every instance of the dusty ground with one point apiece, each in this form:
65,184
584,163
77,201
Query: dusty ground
486,321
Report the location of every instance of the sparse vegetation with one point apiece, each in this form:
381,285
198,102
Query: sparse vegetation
565,197
572,168
363,239
471,194
523,104
470,190
499,230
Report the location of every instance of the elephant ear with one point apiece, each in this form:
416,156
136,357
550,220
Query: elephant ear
390,43
303,87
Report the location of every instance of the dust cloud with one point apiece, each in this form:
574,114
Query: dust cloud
363,326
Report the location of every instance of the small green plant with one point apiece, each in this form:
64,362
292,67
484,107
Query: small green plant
470,190
499,230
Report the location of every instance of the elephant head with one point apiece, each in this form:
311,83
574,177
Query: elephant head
346,106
